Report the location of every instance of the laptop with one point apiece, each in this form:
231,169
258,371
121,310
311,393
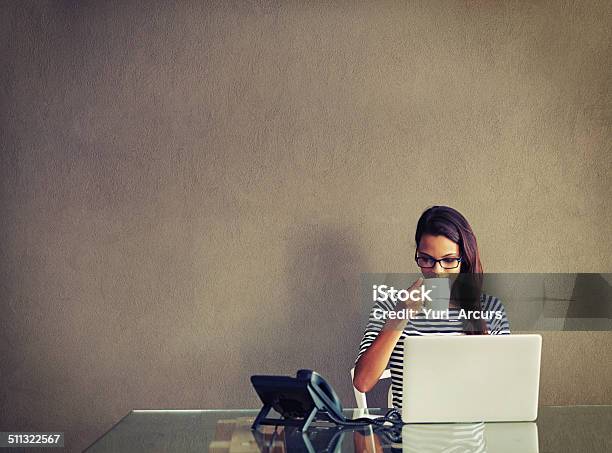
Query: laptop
471,378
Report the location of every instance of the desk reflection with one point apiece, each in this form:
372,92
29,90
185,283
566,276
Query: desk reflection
495,437
455,437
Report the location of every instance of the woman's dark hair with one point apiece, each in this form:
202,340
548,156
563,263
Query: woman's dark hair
467,287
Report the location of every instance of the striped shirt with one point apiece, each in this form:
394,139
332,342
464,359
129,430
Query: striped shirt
421,325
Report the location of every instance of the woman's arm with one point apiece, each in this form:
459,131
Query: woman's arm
374,359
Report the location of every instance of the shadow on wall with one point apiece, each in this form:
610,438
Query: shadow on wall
590,304
316,325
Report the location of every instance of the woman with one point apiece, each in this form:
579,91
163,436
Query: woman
445,244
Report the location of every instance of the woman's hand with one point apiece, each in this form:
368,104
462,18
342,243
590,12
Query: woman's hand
410,304
410,307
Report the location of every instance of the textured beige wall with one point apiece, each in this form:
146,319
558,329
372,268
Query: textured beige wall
189,193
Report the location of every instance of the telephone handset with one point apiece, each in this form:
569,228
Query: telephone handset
327,400
297,399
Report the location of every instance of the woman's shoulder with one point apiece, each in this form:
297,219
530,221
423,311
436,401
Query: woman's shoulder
500,323
490,302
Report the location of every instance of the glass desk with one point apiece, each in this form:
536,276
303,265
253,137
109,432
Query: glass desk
557,429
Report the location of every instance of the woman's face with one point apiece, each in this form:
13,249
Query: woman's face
438,247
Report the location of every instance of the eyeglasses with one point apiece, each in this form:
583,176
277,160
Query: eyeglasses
428,261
